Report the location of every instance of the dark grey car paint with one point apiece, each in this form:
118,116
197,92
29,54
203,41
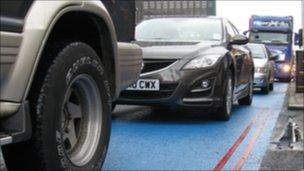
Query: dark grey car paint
235,57
163,50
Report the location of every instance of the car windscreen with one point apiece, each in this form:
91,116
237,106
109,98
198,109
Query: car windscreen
179,29
268,37
257,51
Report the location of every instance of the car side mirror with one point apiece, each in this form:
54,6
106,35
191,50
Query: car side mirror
245,32
274,57
239,40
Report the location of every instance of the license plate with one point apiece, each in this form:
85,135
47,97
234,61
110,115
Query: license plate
145,85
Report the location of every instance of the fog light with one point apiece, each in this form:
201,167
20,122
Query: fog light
205,84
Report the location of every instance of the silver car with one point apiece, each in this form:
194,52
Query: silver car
264,67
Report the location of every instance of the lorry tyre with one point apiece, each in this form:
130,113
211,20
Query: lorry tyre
225,110
71,115
247,100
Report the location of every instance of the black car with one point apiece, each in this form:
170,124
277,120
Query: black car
192,62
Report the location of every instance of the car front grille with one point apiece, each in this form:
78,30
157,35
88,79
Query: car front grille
165,91
156,64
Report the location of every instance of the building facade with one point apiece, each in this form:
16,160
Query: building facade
147,9
302,13
303,21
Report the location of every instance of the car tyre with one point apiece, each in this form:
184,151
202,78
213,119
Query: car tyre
266,89
271,86
70,115
247,100
225,110
113,106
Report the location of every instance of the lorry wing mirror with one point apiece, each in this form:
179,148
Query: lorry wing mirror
301,37
298,38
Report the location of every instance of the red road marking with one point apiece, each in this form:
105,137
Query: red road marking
241,161
232,149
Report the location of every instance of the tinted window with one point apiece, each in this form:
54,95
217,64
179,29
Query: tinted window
268,53
180,29
267,37
234,28
230,31
257,51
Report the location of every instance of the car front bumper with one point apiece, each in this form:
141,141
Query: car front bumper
180,88
260,80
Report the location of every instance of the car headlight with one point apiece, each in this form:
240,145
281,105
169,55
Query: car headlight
261,70
281,57
202,62
286,68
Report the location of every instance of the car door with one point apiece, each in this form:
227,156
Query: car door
238,55
247,63
271,65
247,68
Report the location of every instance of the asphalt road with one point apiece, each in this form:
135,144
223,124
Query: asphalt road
146,139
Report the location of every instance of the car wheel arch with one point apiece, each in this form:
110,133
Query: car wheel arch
232,66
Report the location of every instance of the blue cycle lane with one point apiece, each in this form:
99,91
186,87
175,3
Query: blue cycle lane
143,139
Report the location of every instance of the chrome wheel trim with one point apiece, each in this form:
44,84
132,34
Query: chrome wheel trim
81,120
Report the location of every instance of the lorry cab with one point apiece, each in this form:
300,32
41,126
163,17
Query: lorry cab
277,34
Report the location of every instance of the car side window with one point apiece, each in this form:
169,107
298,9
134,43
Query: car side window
230,31
234,29
268,53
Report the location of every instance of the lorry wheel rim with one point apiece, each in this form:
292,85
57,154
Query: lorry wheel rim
81,120
229,96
